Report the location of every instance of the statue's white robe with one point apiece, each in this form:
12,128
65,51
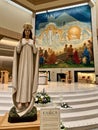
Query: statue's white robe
25,74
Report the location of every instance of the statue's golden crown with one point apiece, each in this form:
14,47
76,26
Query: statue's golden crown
27,26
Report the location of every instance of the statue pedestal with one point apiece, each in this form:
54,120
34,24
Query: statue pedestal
15,118
5,125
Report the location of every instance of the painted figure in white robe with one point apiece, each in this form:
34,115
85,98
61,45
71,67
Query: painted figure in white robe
25,72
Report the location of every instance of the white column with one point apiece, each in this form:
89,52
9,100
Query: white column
94,31
33,23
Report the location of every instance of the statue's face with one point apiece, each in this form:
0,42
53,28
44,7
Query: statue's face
27,32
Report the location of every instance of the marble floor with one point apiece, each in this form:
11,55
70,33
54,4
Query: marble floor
57,87
66,87
82,97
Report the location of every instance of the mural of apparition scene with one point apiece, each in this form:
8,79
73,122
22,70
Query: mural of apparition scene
64,38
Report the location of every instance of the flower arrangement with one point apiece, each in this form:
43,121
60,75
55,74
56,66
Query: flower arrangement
65,105
62,127
42,98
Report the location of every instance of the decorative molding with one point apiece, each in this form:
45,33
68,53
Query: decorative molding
10,34
46,5
91,3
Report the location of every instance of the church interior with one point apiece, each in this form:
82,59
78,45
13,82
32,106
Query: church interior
66,35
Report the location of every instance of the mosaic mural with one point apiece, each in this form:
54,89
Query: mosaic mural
64,38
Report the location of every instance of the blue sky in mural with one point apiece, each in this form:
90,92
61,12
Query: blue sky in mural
83,15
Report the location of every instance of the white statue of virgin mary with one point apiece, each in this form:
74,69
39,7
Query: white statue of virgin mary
25,72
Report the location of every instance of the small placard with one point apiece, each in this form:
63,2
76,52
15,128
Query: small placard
50,119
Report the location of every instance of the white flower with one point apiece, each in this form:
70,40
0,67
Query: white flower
42,97
36,99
